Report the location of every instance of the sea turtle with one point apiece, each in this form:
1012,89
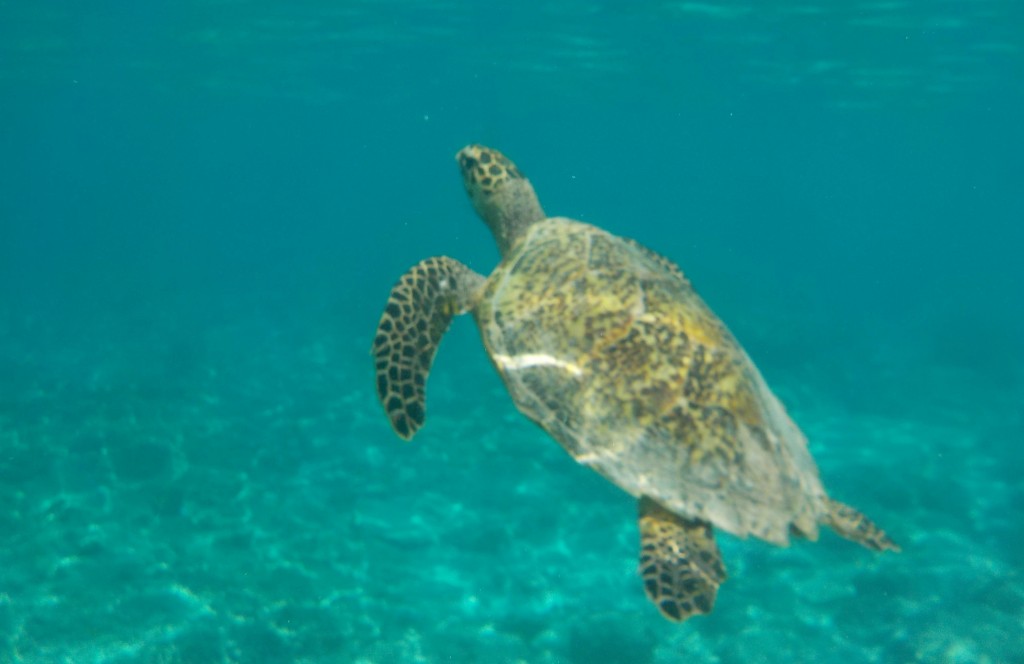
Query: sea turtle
605,344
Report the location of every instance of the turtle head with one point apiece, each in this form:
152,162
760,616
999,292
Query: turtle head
503,198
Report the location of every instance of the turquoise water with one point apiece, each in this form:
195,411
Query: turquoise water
204,204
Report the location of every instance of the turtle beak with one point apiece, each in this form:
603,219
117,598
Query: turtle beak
467,158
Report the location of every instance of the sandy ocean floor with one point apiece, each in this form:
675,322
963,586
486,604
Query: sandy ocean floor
241,499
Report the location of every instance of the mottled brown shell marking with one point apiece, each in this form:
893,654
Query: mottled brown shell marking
587,296
605,344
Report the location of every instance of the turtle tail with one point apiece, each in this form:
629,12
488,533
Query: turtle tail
419,310
852,525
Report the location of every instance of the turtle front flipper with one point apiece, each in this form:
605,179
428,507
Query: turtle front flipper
851,524
679,562
419,310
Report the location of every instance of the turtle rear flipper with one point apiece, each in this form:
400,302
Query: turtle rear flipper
854,526
679,562
419,310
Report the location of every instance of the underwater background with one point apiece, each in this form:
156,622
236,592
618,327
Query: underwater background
203,207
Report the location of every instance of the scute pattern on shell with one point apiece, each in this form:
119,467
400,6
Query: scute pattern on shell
606,345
